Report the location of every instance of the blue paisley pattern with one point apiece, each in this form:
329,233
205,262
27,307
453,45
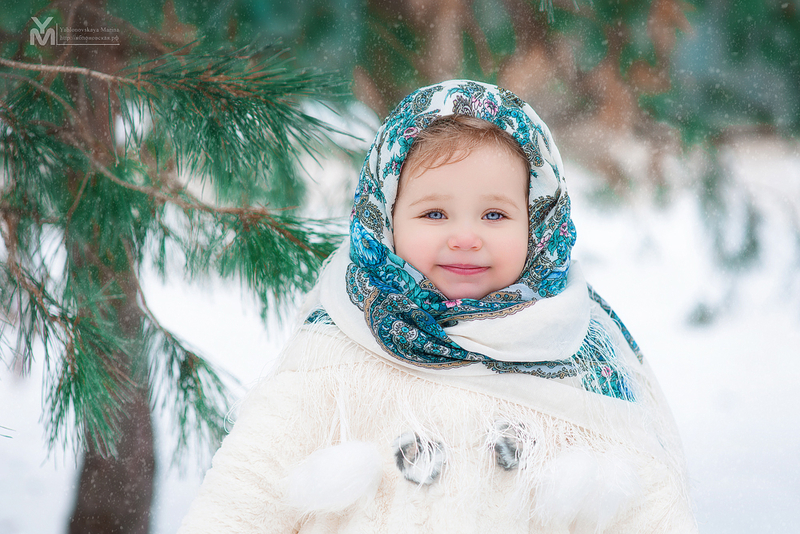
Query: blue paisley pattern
614,317
403,309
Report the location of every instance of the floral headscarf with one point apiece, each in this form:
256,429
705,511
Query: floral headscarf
404,310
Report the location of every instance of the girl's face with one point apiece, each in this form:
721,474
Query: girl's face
464,225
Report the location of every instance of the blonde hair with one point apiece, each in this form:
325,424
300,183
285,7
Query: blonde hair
451,139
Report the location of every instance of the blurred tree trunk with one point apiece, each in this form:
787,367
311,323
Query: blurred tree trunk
115,491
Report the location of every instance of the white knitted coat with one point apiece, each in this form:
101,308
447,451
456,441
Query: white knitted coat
567,478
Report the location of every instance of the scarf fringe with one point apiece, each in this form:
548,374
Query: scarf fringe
536,460
598,366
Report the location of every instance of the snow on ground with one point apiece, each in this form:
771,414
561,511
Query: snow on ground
731,382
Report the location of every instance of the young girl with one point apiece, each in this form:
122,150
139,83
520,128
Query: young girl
455,372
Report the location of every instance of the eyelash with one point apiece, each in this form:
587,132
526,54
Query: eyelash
427,215
500,213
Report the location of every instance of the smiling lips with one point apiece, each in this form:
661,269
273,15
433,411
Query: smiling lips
464,269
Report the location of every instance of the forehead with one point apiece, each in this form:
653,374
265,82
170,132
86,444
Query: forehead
446,143
488,171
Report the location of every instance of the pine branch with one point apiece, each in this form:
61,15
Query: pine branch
86,382
42,88
188,388
234,118
58,69
37,152
188,202
75,118
288,242
183,383
274,255
91,385
34,305
273,84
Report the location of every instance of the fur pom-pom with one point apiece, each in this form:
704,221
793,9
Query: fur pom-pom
332,479
584,491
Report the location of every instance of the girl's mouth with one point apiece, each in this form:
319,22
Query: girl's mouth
464,269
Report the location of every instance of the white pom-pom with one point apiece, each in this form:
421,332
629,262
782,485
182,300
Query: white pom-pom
332,479
584,491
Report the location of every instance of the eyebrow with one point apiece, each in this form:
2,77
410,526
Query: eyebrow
499,198
432,197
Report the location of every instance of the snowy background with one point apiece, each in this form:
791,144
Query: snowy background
725,345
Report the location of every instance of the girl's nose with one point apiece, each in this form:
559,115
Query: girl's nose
464,238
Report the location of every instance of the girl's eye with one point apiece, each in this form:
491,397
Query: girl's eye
434,215
494,216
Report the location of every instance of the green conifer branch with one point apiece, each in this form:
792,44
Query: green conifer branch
186,386
232,119
296,249
88,386
60,69
84,381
